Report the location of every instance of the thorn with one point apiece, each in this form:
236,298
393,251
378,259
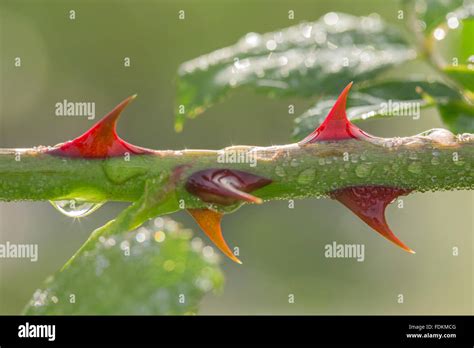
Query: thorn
369,203
210,223
101,140
336,125
225,186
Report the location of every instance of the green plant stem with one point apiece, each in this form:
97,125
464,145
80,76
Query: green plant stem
434,160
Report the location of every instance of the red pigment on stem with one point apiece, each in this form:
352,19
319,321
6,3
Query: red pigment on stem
101,140
368,202
224,187
336,126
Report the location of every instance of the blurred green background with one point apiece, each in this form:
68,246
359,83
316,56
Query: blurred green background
282,249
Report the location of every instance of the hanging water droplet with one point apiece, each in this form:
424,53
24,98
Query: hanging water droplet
362,170
415,168
76,208
435,161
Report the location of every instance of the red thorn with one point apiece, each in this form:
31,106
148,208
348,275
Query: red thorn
369,203
210,223
336,126
225,186
101,140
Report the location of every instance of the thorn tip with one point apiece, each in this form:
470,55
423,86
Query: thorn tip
101,140
210,223
369,203
225,186
336,126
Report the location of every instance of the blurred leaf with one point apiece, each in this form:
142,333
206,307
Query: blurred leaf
433,12
381,99
305,60
462,74
458,116
161,266
466,47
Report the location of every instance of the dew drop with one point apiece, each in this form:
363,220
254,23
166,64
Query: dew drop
306,176
141,237
362,170
271,45
283,60
331,18
280,171
169,265
453,22
439,34
159,236
76,208
294,162
252,39
415,168
435,161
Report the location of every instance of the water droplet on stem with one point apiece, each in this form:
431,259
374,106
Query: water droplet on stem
76,208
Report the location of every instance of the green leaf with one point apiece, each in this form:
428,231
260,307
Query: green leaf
458,116
159,198
154,270
381,99
304,60
433,12
466,47
464,74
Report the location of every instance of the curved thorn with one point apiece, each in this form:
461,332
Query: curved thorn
336,125
369,203
232,190
225,186
101,140
210,223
